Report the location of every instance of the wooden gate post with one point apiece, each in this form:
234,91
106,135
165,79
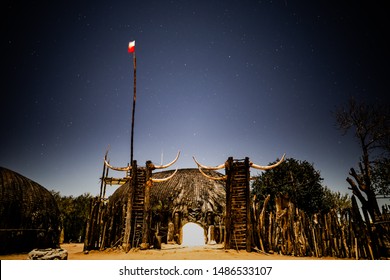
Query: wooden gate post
249,231
147,208
238,217
129,209
228,225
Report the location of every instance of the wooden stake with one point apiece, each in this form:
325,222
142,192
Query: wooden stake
356,249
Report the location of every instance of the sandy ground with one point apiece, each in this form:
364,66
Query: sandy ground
167,252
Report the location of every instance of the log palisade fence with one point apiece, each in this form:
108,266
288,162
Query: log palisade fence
126,221
290,231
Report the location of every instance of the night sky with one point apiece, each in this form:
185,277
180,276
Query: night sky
214,79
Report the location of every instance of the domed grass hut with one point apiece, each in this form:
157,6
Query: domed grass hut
29,215
187,198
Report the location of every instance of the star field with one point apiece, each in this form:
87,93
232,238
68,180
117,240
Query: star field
214,79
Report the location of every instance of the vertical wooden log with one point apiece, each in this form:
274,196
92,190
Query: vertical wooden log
336,234
129,208
171,233
147,207
177,224
146,222
305,233
326,236
105,186
88,228
222,233
290,228
262,230
344,242
256,222
102,179
102,243
270,232
373,241
111,230
248,210
318,235
122,230
276,234
356,249
345,235
228,225
285,234
315,242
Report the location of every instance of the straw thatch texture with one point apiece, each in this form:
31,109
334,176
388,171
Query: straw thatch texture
29,215
189,192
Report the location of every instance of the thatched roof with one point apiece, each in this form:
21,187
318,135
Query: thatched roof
189,190
186,191
29,215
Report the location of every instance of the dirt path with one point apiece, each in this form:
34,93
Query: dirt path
168,252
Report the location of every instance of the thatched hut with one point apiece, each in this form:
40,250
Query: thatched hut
188,197
29,215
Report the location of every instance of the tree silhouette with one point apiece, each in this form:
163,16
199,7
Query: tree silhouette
371,126
73,215
296,179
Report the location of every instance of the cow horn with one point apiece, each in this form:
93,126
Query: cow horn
268,166
208,167
167,165
222,178
154,180
127,168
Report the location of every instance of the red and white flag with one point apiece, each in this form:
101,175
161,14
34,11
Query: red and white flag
131,48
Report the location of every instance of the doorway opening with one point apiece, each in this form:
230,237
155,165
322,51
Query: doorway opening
193,235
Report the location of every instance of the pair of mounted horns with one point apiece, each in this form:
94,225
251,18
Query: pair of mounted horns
155,180
127,168
268,167
201,166
167,165
223,178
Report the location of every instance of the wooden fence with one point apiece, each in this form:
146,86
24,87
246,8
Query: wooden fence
290,231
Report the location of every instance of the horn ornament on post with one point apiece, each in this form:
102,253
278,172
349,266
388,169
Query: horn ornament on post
208,167
155,180
268,167
200,166
167,165
222,178
127,168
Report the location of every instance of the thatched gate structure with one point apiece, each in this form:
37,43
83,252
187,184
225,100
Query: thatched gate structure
238,221
125,218
143,213
186,197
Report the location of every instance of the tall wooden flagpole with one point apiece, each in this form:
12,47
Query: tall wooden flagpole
131,49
